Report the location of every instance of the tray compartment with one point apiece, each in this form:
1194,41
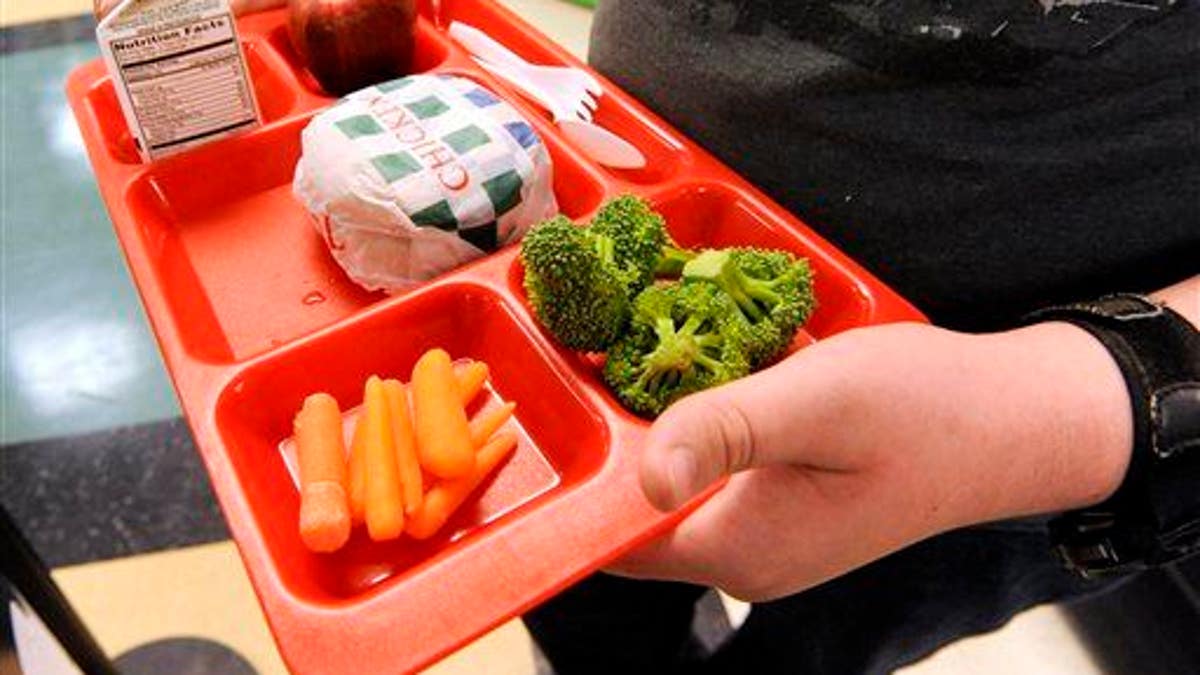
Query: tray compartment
716,216
665,154
429,51
563,441
242,264
713,215
276,99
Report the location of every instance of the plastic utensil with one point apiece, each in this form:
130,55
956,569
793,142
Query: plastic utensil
595,141
574,89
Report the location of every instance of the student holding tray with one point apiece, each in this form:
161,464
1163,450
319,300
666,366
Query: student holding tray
1005,166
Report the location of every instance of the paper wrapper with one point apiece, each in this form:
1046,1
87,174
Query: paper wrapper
416,176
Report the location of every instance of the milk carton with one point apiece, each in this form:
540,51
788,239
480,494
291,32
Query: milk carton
179,72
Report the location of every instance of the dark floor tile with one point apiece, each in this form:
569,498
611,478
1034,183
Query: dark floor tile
184,656
110,494
47,33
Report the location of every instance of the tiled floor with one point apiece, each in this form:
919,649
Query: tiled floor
77,357
159,589
77,352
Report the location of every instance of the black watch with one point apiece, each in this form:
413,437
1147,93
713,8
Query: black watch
1154,517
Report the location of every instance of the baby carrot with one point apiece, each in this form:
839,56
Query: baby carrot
444,498
487,422
406,447
384,502
324,513
471,377
443,436
357,478
319,446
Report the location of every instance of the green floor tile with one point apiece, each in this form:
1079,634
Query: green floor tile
77,352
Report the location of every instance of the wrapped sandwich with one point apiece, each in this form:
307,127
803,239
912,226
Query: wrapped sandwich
413,177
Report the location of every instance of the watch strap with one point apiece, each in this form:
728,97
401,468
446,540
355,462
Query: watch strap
1154,516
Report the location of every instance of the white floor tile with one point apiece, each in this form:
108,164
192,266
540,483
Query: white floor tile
1040,642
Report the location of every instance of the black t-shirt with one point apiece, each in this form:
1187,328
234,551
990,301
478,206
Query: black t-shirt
978,178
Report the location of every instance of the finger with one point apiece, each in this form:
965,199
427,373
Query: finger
741,541
700,548
775,531
777,416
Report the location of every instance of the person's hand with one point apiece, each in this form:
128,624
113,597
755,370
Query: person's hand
874,439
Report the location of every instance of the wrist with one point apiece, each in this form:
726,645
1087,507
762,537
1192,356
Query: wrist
1066,428
1100,450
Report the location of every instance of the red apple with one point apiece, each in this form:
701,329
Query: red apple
351,44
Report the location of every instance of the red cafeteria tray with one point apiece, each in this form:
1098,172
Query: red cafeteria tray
252,314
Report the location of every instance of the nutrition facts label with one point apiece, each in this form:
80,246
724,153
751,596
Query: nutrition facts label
186,83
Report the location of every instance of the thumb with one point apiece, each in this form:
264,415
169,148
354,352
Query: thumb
763,419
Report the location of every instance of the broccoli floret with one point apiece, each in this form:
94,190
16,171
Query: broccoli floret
574,285
640,240
682,339
637,233
772,289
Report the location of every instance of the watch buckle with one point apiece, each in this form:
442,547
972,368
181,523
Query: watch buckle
1094,560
